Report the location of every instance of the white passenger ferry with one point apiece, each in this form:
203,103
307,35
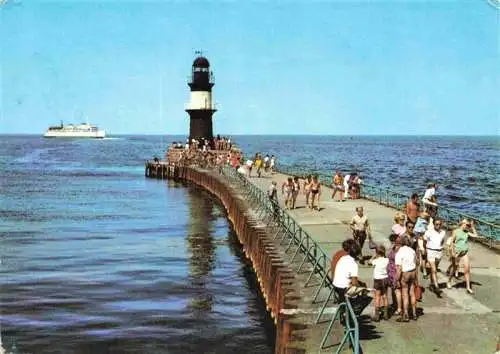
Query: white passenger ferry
83,130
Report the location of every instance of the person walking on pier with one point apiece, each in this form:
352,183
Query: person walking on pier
338,185
266,163
287,191
258,164
407,276
272,163
460,250
412,208
399,224
307,188
315,192
434,240
421,227
360,229
272,194
346,185
296,190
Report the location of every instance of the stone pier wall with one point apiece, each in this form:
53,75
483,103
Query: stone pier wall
276,279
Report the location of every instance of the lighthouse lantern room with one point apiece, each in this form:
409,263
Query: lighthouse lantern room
200,107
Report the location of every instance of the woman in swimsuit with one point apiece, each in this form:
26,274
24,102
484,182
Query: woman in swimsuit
287,191
315,192
307,189
460,250
296,190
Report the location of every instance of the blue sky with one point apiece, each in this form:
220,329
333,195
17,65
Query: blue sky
288,67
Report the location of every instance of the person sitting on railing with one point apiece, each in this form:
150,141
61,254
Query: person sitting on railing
345,271
430,200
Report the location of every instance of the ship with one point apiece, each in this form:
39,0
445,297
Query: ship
83,130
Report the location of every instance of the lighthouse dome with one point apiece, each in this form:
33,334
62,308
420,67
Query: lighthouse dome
201,62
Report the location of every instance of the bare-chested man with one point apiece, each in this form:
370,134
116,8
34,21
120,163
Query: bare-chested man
412,208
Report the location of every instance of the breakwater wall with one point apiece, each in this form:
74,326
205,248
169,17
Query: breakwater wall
275,277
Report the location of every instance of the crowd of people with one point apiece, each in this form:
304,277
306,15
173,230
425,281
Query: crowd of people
259,164
348,185
418,237
419,241
310,186
203,144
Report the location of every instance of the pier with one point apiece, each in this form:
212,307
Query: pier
291,252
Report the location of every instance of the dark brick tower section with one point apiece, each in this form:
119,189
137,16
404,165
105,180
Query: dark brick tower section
200,107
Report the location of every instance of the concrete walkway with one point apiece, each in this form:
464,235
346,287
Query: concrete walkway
455,323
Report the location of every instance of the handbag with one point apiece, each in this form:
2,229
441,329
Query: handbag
418,292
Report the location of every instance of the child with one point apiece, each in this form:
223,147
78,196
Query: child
380,283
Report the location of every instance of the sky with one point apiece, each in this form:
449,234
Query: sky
281,67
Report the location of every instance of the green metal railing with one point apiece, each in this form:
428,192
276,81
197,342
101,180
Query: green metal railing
486,230
291,234
345,315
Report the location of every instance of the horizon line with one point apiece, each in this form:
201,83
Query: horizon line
286,134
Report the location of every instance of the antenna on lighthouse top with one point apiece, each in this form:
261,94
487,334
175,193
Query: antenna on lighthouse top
198,52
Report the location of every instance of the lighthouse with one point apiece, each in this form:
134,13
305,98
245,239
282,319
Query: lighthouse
200,107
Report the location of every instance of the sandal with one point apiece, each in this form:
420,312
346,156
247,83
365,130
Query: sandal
403,318
470,291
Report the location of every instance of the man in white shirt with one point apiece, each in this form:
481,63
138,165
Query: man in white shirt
429,199
346,185
346,270
407,274
266,163
434,240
